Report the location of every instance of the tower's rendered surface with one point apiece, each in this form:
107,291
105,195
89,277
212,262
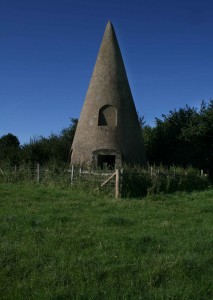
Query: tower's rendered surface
108,130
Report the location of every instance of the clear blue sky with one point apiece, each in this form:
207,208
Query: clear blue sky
48,50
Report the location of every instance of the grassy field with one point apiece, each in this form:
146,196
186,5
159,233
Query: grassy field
68,244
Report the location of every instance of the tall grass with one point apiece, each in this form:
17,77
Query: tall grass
139,182
135,181
70,244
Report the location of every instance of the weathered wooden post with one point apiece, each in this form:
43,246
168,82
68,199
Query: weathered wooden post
72,175
38,173
15,171
117,183
80,171
121,181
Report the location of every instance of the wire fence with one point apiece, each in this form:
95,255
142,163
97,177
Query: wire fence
59,176
126,182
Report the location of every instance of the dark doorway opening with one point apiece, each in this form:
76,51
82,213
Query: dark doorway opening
106,161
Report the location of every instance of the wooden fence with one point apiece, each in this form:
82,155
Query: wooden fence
114,182
108,180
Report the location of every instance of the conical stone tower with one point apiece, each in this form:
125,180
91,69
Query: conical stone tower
108,130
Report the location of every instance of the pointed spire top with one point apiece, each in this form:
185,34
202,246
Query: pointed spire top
109,23
109,27
109,64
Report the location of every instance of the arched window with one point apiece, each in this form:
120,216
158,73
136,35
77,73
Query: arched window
107,116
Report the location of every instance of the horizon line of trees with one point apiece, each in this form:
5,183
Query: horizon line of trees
183,137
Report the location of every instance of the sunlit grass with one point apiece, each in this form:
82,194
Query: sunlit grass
70,244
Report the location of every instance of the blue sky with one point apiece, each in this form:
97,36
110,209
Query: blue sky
48,50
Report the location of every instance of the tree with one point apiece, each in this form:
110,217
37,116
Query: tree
183,137
54,149
199,133
9,148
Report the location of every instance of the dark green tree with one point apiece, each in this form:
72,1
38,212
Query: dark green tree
183,137
199,133
9,149
53,149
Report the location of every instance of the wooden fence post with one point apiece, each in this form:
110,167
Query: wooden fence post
117,183
121,182
72,175
38,173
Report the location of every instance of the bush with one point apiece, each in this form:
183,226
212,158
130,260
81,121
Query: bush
138,182
135,183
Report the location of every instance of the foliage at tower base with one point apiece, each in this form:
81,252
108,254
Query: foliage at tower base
183,137
10,150
54,149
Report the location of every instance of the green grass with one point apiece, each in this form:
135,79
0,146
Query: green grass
68,244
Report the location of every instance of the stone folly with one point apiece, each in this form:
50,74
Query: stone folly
108,131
